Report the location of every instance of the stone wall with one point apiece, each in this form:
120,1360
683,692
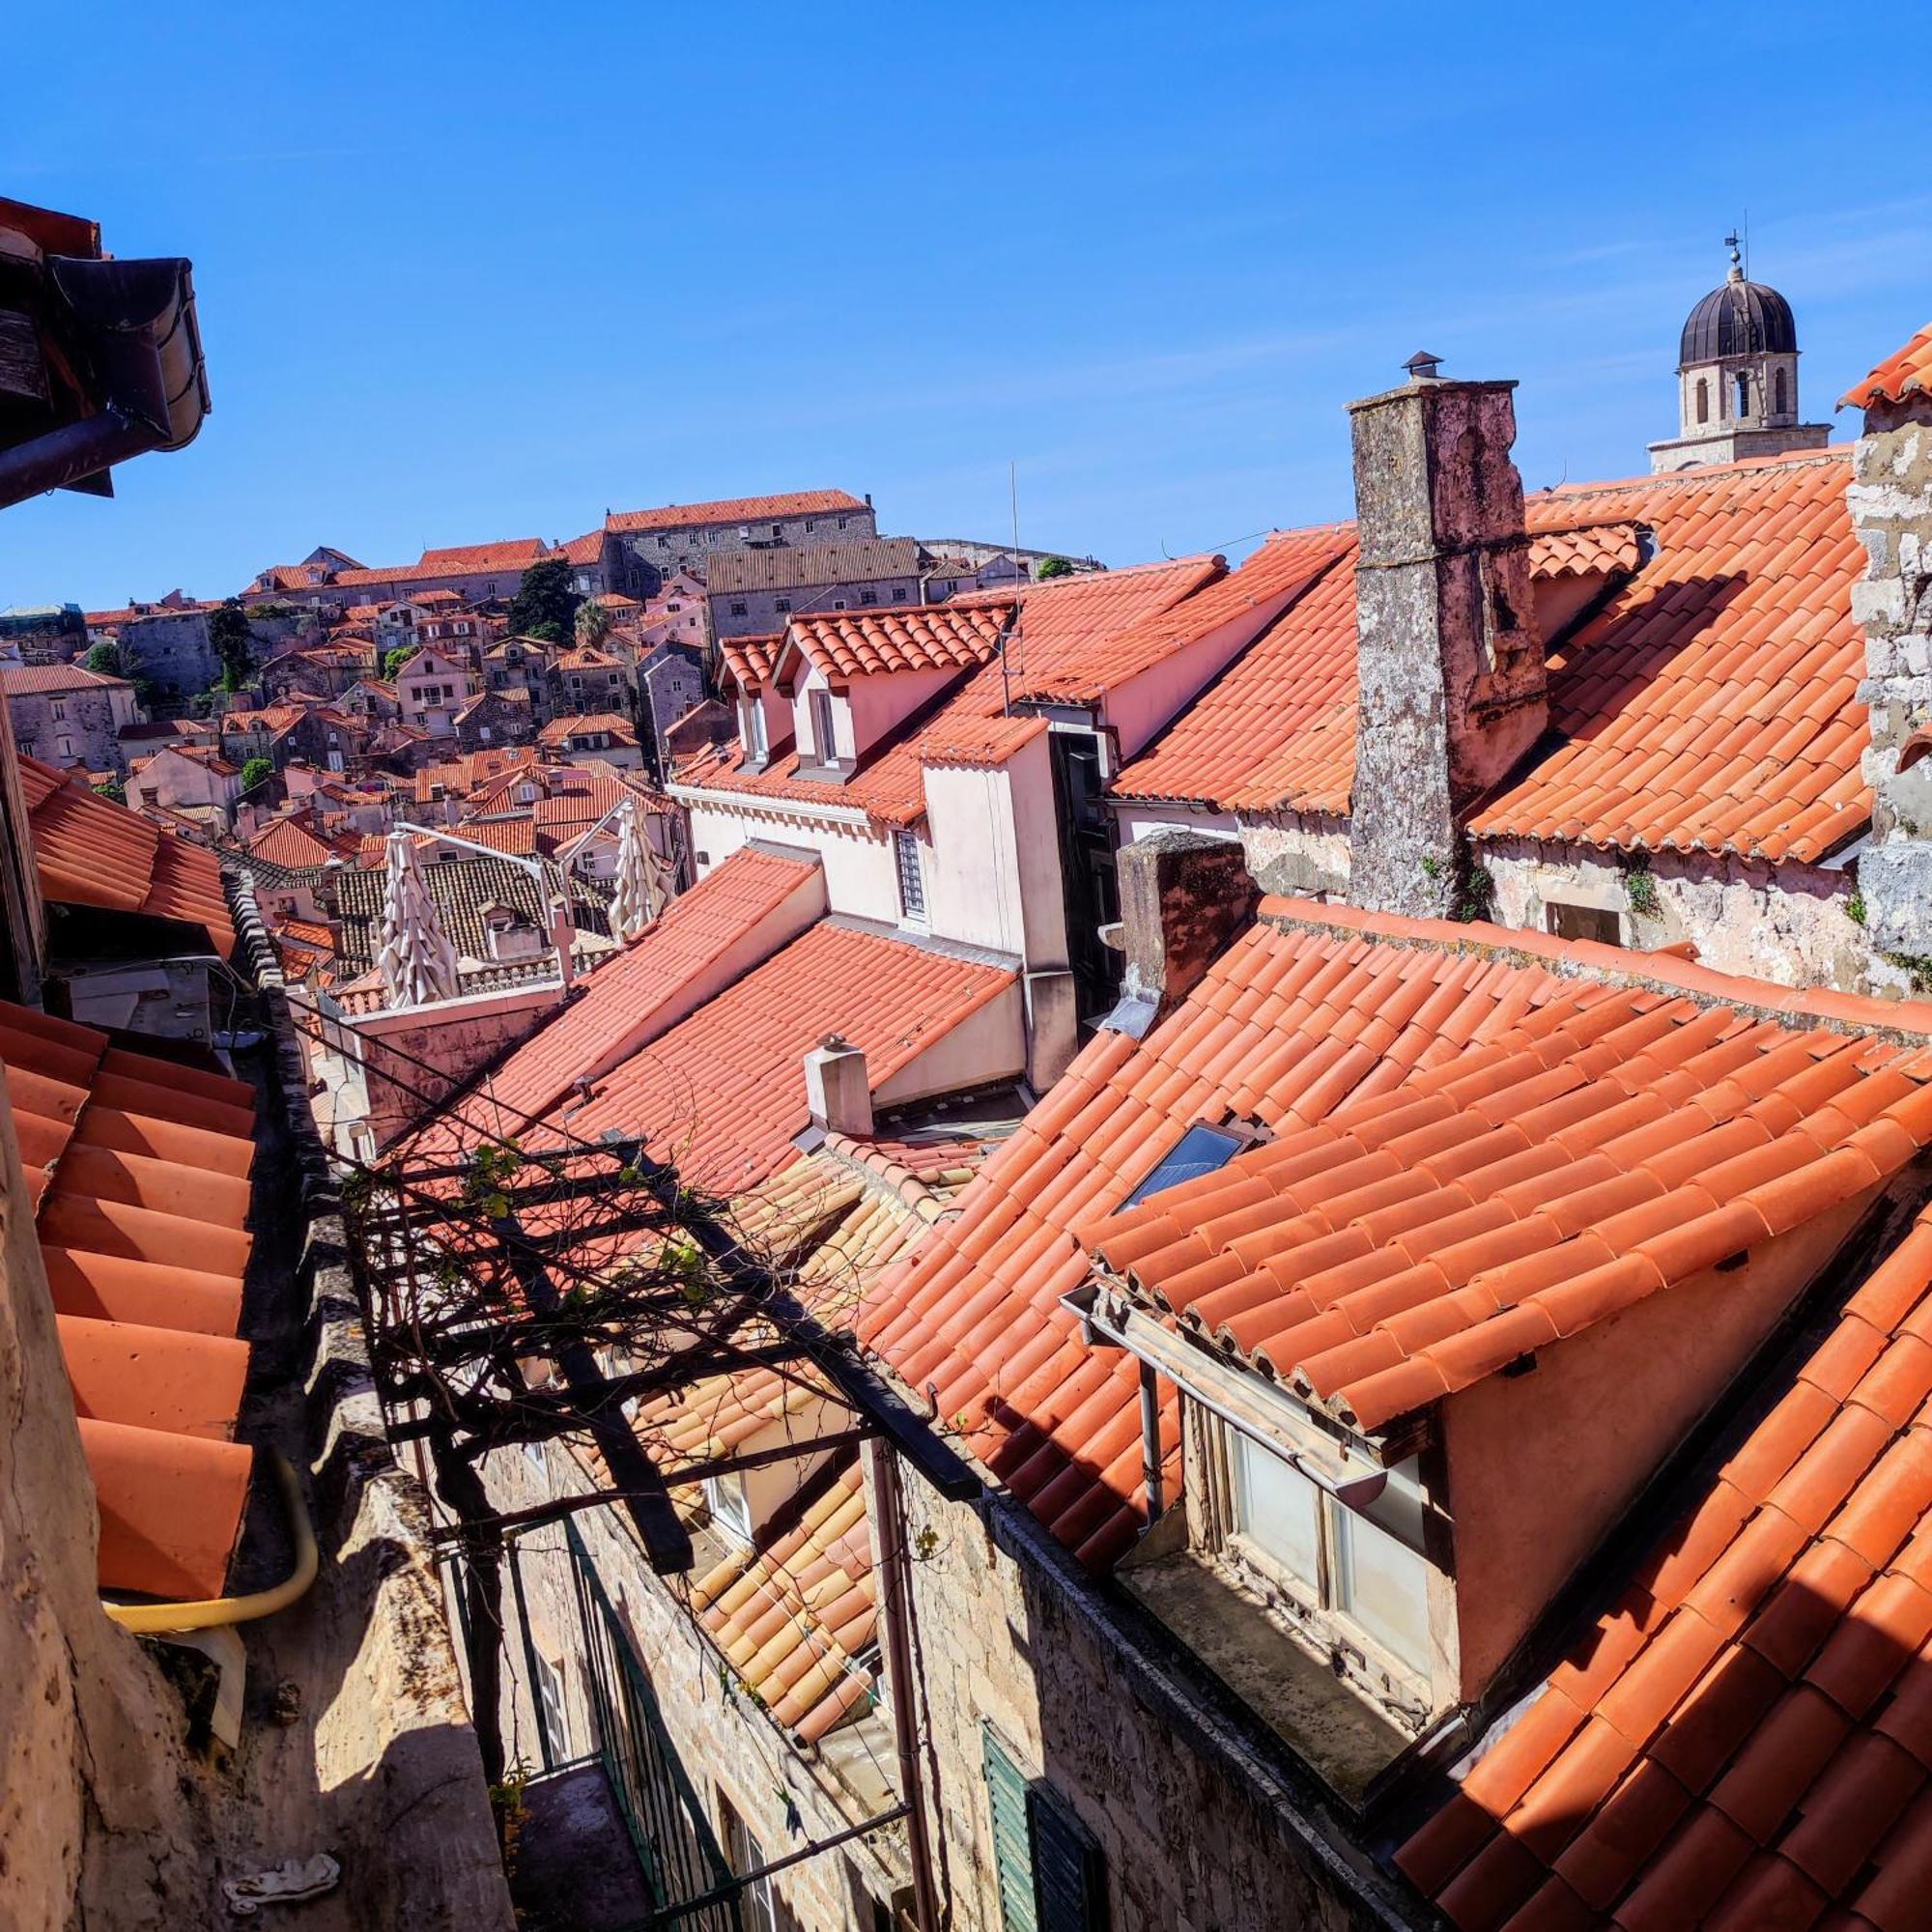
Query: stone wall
1790,925
643,557
81,726
1449,662
1197,1829
1891,501
728,1747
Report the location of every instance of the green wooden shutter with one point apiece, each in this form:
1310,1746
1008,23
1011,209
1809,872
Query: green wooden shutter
1069,1881
1012,1837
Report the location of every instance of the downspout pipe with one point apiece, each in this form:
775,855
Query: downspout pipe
165,1619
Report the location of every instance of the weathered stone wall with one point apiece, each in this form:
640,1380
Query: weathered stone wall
1891,499
1197,1830
1301,856
87,732
787,1797
1790,925
1450,666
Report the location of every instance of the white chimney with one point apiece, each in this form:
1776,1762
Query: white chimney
837,1088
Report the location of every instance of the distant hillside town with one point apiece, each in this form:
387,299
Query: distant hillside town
497,697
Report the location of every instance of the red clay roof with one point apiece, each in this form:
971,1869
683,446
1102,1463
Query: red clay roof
1279,724
93,852
516,554
1282,568
722,1092
1591,550
559,731
139,1171
1711,706
1895,378
1746,1738
1425,1216
41,680
288,842
735,510
978,741
793,1619
1320,1016
751,660
620,1006
937,636
1067,616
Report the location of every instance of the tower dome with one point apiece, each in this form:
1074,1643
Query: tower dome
1737,378
1738,318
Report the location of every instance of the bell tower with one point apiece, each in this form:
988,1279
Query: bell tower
1737,378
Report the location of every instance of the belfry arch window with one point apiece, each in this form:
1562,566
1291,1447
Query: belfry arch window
1744,393
1778,392
1703,400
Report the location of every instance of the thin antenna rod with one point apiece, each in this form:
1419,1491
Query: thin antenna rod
1006,680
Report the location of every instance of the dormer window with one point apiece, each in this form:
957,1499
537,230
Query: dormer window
1353,1561
823,742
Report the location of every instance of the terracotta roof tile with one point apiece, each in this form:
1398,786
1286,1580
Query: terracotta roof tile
93,852
795,1617
1365,1252
1895,378
1791,1776
865,644
139,1171
1064,618
1668,741
728,920
735,510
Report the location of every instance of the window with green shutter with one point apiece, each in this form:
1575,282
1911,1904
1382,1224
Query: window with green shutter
1046,1862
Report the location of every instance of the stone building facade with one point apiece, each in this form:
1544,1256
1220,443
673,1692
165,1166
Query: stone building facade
654,544
68,717
755,592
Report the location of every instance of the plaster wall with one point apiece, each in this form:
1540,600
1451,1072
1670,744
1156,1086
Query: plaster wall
987,1046
1603,1409
860,876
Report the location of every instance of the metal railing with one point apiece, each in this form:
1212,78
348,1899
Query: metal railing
675,1844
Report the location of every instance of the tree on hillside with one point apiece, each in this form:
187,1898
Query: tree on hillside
255,772
396,659
593,623
228,633
1053,566
103,660
545,605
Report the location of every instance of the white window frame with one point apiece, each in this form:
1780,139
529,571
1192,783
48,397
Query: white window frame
553,1713
1337,1531
731,1507
824,716
909,865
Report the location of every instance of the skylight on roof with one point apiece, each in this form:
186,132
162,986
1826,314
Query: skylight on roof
1200,1151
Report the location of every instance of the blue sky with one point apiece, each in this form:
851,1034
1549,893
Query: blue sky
482,271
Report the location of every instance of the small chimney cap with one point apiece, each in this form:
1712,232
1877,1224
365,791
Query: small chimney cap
1423,367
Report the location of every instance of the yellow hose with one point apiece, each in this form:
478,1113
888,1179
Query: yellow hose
158,1619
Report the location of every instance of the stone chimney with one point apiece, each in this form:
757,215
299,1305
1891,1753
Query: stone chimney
1183,897
1891,501
1450,663
838,1089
